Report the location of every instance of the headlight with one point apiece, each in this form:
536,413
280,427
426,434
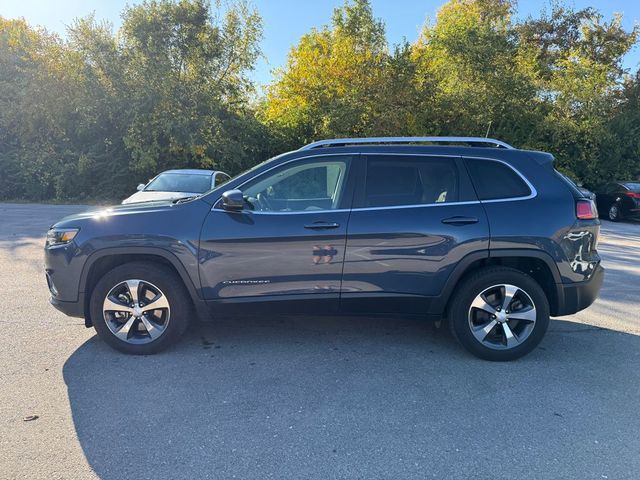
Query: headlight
61,236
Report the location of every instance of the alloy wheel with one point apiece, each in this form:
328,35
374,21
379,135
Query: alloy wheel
614,212
136,311
502,317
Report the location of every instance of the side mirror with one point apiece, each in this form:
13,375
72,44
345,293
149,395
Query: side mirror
233,200
140,187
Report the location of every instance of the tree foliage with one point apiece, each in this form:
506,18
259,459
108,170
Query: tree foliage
92,115
553,82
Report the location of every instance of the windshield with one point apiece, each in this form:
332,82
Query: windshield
180,182
634,187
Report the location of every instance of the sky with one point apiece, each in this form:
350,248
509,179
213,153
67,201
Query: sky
285,21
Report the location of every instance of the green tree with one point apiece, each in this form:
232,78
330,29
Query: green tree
470,60
92,116
622,160
340,80
578,59
188,72
35,90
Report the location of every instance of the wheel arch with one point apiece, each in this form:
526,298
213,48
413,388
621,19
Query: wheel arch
105,260
537,264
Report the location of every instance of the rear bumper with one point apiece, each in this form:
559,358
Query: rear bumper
573,297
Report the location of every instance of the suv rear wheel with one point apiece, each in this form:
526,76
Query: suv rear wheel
499,313
140,308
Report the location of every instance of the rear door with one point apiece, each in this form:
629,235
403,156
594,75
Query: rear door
414,218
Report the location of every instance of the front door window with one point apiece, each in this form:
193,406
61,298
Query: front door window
303,186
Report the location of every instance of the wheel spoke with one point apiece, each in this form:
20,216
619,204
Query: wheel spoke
123,332
509,292
112,305
134,287
158,302
515,325
153,329
512,340
481,304
526,315
481,332
129,319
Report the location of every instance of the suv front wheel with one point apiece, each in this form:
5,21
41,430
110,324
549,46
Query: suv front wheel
499,313
140,308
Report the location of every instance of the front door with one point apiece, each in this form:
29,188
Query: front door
287,244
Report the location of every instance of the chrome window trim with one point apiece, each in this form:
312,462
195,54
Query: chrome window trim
533,194
416,205
298,212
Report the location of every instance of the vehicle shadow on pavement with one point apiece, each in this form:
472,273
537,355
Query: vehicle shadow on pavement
357,398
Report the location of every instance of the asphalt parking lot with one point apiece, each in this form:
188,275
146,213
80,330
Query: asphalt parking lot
314,398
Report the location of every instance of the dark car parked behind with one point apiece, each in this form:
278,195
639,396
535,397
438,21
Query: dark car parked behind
619,200
491,238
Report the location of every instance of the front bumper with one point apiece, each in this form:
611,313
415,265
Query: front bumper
62,274
72,309
573,297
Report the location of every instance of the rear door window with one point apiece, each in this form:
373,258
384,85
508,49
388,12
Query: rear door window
495,180
410,180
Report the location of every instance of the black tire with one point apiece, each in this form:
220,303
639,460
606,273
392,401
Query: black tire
615,212
474,285
167,282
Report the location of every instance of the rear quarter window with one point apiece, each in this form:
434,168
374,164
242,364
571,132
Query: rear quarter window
495,180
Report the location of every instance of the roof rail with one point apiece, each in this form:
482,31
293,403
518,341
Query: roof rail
374,140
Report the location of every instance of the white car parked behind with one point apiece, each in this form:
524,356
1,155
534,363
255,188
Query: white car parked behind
174,184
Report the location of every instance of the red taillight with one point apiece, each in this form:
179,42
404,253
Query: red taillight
632,194
586,210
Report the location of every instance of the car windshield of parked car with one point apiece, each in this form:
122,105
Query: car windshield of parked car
634,187
180,182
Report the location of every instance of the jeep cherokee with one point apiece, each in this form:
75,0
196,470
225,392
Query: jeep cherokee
472,230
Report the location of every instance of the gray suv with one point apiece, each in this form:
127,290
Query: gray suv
472,230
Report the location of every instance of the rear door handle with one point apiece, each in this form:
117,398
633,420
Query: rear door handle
321,225
458,220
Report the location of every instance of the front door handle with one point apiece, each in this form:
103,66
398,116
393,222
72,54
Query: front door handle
321,225
458,220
